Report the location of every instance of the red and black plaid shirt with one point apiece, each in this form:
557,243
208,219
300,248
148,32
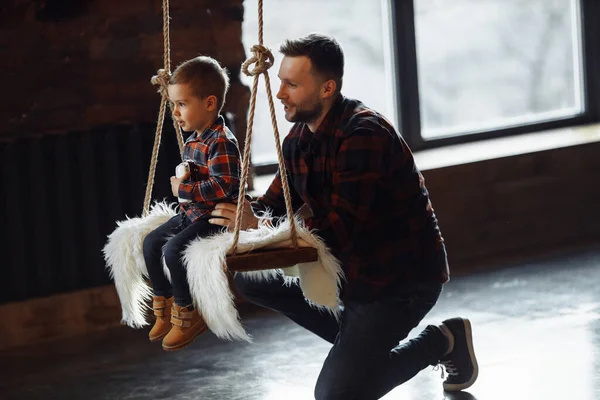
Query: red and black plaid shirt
368,200
214,170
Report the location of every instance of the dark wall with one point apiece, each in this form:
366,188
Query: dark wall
77,123
516,207
77,64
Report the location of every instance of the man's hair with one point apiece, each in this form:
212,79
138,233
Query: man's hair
324,52
205,76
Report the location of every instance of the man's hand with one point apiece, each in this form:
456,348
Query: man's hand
175,182
225,216
304,212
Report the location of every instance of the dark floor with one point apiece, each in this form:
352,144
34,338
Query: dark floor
536,332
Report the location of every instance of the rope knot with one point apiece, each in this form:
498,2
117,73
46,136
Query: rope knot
262,58
161,79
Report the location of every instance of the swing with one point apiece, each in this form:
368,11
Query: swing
256,259
288,250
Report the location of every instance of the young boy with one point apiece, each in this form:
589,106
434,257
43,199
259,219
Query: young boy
197,91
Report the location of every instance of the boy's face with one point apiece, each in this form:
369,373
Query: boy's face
300,90
189,111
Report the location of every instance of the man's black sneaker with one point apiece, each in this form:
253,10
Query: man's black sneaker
460,363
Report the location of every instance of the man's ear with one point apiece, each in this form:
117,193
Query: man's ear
211,102
328,88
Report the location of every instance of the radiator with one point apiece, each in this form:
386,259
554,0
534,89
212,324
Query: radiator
61,195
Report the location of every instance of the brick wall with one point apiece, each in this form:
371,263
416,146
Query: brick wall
77,64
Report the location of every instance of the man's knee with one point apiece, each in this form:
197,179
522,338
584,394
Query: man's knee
322,390
328,390
352,370
329,384
343,388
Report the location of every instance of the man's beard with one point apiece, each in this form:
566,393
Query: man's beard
307,115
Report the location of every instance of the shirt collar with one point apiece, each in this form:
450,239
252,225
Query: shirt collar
216,126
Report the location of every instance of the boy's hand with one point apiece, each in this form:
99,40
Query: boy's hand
225,213
175,182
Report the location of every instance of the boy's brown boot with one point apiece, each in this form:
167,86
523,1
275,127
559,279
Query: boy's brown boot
187,325
162,309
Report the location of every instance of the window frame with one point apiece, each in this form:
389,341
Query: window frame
402,15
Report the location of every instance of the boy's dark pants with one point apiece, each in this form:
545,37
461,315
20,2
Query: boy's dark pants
366,360
169,240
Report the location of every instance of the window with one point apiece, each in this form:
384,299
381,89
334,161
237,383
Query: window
489,64
360,27
447,71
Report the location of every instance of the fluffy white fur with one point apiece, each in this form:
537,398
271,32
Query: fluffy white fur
205,258
125,262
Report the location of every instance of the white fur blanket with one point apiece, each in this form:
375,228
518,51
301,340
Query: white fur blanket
209,285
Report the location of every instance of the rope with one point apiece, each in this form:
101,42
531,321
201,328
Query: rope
166,38
263,60
161,79
179,137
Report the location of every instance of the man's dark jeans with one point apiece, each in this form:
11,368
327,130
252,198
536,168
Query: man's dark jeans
366,360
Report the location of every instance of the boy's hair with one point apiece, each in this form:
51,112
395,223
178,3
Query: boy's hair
324,52
206,77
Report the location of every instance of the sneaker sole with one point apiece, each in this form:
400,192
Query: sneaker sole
455,387
184,344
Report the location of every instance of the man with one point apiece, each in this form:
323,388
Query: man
349,167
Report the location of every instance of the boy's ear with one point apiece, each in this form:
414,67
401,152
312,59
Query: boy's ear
211,102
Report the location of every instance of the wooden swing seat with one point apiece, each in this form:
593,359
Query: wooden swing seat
257,260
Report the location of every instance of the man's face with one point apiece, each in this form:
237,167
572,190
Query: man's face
191,112
299,90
